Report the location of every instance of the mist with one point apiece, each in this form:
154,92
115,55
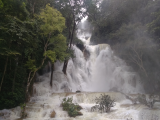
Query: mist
130,27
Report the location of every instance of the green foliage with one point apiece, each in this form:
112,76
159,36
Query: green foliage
71,108
8,52
52,27
30,64
15,37
53,20
105,102
59,46
127,32
70,54
77,41
1,4
22,105
154,26
15,8
51,55
9,99
24,38
73,13
127,11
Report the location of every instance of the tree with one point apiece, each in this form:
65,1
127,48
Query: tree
107,12
12,28
1,4
73,11
15,37
154,26
54,43
51,29
34,6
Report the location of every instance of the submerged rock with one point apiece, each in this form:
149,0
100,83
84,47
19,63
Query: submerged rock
79,114
53,114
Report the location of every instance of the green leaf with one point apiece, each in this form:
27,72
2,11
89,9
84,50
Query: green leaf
51,55
30,64
53,20
1,4
8,52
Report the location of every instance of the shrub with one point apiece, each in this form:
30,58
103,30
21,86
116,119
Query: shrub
105,103
71,108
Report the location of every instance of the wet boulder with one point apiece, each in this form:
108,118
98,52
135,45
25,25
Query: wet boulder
78,91
53,114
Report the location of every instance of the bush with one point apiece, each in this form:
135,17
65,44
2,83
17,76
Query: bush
71,108
105,103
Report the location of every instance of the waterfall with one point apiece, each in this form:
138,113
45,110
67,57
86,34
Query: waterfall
110,73
102,72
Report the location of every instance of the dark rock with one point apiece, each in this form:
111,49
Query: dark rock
1,114
86,54
79,113
80,46
78,91
53,114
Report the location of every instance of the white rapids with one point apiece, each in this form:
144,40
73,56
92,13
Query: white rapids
42,106
102,72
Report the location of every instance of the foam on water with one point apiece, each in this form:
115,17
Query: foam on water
42,107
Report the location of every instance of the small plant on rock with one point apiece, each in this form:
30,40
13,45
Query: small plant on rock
23,114
104,103
71,108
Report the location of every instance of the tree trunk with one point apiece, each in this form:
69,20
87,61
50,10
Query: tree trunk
74,26
32,73
65,67
5,67
52,69
15,72
49,67
33,7
71,40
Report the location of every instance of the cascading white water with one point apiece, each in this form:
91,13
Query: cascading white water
111,73
101,72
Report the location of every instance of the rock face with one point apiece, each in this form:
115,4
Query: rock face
53,114
86,54
80,46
